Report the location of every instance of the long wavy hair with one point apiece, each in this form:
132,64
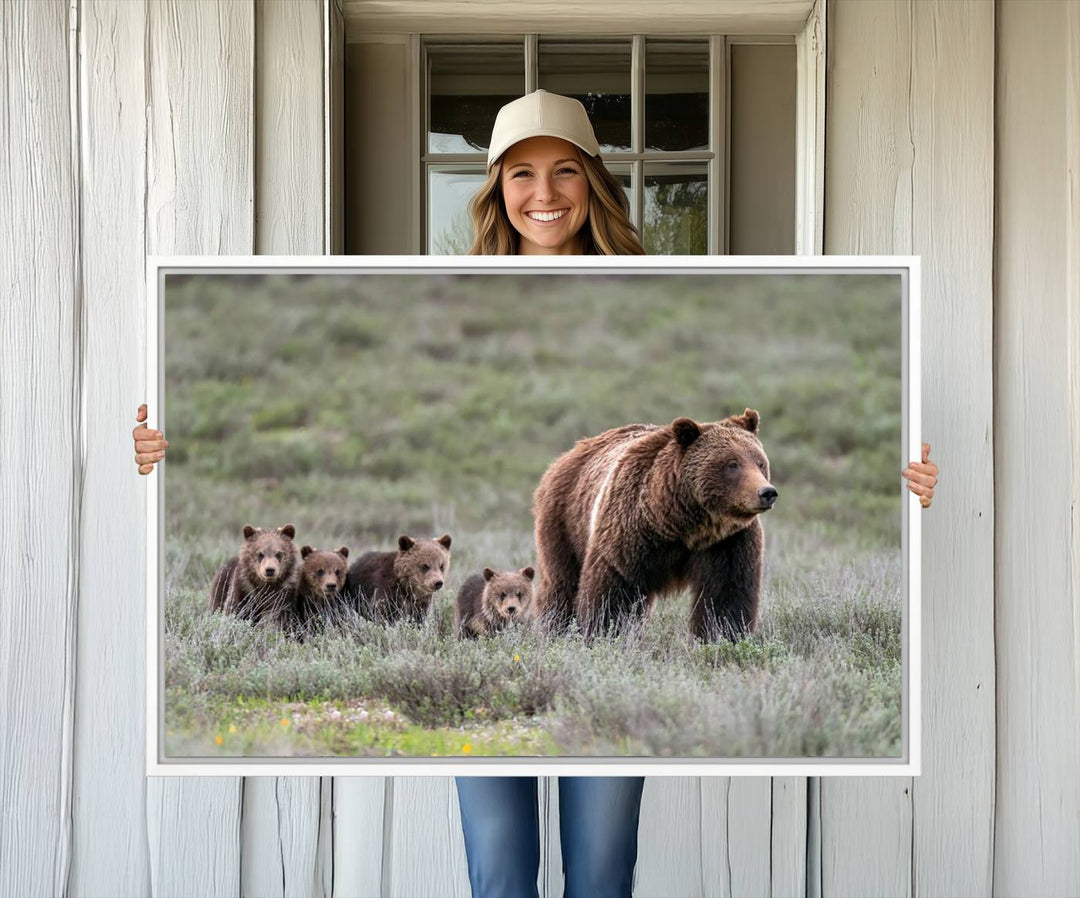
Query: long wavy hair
607,231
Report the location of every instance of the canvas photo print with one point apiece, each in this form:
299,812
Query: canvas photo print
569,514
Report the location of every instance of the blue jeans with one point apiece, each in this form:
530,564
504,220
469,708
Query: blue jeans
598,822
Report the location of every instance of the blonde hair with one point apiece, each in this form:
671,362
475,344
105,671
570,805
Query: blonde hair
607,231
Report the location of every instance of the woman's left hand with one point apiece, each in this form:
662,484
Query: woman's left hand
922,477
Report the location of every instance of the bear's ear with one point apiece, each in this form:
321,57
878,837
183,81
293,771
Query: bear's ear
445,540
488,573
748,420
288,530
405,542
250,531
686,431
305,551
528,573
343,551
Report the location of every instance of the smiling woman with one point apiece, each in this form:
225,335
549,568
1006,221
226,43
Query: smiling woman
547,190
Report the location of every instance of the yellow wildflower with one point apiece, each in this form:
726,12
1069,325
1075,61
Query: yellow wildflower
466,748
517,657
218,739
284,721
232,728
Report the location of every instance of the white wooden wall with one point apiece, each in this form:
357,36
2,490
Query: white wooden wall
198,127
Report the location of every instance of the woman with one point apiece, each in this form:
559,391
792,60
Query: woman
548,193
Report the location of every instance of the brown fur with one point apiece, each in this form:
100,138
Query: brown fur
641,511
259,583
388,586
320,596
488,602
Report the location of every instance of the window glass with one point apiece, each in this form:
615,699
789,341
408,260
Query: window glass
676,208
467,84
449,190
597,74
676,95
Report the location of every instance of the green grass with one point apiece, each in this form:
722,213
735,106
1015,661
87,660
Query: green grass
362,408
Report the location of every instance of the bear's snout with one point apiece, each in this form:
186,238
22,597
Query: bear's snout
270,573
437,584
331,587
511,610
768,496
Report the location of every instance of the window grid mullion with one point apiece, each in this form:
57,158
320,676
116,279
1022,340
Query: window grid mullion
717,181
532,62
637,130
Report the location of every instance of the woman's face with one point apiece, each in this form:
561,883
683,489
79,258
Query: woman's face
546,195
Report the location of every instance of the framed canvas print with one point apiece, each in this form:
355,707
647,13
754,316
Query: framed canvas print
580,515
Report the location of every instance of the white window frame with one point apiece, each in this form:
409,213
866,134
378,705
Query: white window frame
809,40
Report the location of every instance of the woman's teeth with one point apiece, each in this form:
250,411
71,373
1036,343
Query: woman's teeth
546,216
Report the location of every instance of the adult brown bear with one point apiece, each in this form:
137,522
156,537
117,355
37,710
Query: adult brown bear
642,510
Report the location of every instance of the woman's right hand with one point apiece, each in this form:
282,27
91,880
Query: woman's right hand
150,444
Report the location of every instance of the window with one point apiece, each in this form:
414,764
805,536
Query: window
661,108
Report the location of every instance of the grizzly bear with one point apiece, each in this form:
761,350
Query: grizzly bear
389,586
259,583
488,602
640,511
320,596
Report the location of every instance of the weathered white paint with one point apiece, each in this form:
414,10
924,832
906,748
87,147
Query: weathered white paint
910,162
670,831
362,807
555,17
788,837
199,196
868,158
109,810
909,155
282,817
41,456
1037,371
736,842
952,129
425,849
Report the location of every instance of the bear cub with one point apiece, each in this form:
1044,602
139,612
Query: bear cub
487,603
320,596
389,586
259,582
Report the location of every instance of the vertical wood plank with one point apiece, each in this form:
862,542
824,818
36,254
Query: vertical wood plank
282,815
427,848
361,814
952,131
40,452
199,199
788,843
736,828
670,838
289,128
869,158
110,854
1037,372
866,837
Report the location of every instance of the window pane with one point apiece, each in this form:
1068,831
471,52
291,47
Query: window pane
467,84
597,74
676,209
623,175
676,95
449,191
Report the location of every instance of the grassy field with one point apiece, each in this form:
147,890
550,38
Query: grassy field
359,409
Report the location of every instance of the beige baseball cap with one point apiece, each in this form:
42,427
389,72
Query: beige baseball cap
541,114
